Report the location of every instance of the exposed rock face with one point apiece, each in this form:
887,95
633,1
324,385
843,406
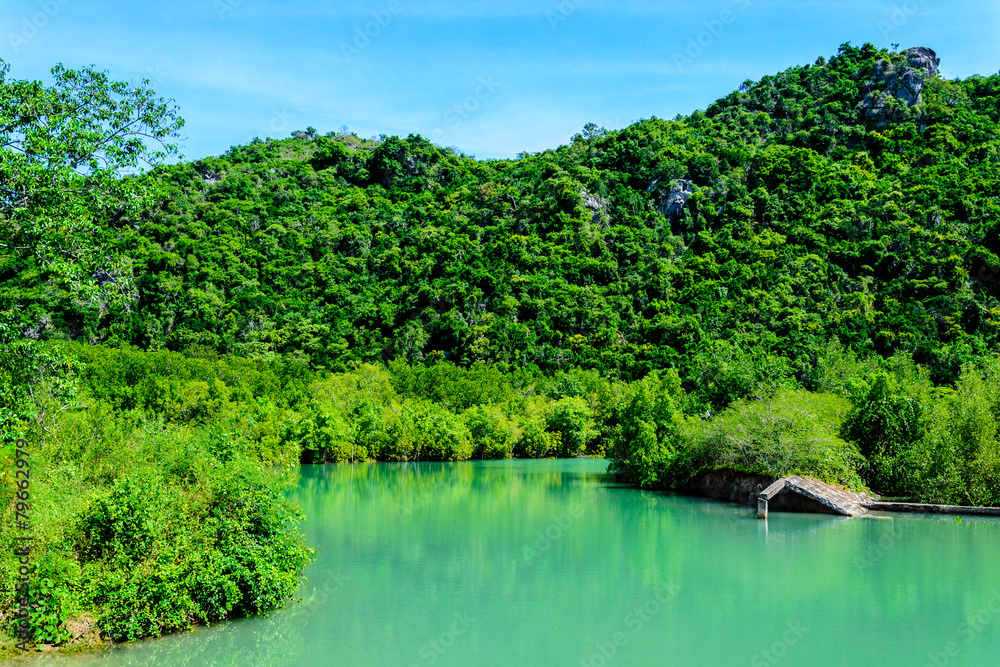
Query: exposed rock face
922,58
593,202
598,205
902,81
103,277
677,199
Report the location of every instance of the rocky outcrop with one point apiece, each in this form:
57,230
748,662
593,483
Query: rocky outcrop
676,200
902,81
598,206
922,58
103,278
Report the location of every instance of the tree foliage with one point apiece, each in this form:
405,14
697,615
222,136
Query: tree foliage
64,149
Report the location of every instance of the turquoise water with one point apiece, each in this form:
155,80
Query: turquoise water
546,563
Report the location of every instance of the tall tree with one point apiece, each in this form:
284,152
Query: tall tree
68,152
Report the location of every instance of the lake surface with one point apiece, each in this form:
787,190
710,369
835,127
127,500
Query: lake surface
545,563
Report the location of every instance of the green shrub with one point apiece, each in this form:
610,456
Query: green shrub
329,438
837,370
889,423
52,599
120,525
573,420
793,432
231,552
724,372
452,386
346,393
413,430
149,526
963,464
145,599
434,433
494,436
536,442
251,525
645,440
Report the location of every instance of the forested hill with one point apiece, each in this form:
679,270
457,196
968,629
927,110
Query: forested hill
855,198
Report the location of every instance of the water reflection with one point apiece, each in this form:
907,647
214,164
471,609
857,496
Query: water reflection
277,640
547,563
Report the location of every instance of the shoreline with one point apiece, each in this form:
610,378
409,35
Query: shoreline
746,488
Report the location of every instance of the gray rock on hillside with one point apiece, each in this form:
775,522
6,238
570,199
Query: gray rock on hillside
677,199
599,207
922,58
903,81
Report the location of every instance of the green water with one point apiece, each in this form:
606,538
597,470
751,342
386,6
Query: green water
545,563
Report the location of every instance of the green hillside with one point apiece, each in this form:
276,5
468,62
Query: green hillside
854,198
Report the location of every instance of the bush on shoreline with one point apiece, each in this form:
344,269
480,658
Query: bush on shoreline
148,519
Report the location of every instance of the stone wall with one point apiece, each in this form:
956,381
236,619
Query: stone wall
735,487
743,488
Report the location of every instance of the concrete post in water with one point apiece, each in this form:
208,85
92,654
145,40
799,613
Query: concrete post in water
761,507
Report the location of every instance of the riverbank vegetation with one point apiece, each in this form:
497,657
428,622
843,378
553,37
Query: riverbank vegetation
799,279
159,475
148,517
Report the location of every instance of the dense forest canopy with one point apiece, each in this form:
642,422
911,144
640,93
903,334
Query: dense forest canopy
855,199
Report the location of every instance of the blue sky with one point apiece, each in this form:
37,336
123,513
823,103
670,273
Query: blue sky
491,78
